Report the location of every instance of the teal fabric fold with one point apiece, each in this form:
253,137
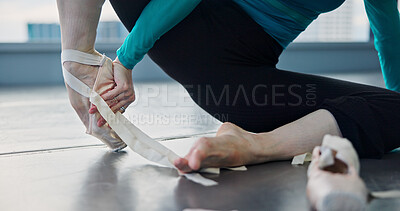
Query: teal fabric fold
384,20
282,21
158,17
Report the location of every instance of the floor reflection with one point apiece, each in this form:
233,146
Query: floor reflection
103,188
262,186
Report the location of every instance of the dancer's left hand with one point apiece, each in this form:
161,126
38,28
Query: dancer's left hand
122,95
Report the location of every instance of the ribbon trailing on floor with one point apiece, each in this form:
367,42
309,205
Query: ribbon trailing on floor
136,139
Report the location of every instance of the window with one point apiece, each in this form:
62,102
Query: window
37,21
348,23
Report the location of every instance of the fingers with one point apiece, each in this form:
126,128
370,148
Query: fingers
117,107
117,101
123,99
121,91
101,122
113,103
121,95
93,109
110,95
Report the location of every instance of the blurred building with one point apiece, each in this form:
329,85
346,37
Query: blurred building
43,32
348,23
109,31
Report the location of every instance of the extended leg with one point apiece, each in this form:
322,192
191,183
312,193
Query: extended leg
234,146
227,63
370,120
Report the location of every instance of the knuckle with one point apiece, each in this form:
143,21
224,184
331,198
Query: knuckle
107,96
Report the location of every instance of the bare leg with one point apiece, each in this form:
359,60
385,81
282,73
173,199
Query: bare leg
300,136
234,146
79,20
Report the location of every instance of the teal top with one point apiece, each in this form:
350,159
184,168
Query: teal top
284,20
156,19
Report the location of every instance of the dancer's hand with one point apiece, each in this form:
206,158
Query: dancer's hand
122,95
232,146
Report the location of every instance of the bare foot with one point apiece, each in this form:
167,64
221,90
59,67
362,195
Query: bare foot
232,146
87,74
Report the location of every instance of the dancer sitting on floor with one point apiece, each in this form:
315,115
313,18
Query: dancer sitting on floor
231,48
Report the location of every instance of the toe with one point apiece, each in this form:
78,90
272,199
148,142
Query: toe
182,164
195,159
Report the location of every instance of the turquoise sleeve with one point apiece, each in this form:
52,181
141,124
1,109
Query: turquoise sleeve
157,18
384,20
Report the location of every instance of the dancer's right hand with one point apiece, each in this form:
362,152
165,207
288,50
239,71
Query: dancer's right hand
122,95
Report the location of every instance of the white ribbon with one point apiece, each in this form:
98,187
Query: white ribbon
137,140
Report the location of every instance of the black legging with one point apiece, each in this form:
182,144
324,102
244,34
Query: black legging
227,63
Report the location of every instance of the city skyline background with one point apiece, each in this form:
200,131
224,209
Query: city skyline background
40,18
348,23
16,14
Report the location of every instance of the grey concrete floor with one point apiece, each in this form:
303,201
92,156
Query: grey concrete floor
48,163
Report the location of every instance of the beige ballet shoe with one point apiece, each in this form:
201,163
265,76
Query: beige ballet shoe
333,180
81,93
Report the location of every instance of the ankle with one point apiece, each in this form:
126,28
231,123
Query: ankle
81,49
269,147
260,148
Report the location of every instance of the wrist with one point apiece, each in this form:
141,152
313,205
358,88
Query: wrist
117,61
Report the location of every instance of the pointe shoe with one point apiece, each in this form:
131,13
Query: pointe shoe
333,180
80,94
